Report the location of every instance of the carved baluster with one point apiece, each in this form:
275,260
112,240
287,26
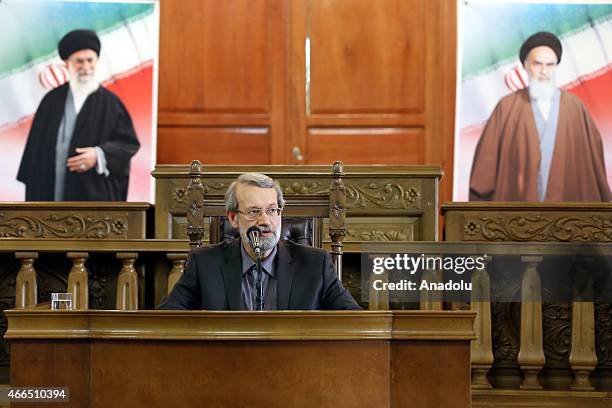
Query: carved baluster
337,215
78,281
178,266
482,347
583,357
531,357
431,300
195,205
26,291
127,282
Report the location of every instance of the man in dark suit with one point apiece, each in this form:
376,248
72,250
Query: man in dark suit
223,277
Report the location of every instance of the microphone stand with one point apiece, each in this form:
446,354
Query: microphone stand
259,298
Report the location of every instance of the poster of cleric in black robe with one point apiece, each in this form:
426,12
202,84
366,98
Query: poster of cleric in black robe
77,113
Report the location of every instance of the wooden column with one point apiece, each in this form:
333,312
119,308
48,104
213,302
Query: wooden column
431,300
127,282
583,358
26,291
482,347
337,215
78,281
195,205
531,357
178,266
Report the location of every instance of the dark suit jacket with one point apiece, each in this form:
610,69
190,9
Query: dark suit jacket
306,280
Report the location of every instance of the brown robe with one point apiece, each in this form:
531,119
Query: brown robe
507,158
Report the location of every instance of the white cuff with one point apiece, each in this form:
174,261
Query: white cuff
101,162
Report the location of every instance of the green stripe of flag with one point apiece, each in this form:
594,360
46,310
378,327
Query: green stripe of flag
495,32
30,30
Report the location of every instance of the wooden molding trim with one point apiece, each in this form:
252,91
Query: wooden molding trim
497,206
75,205
221,325
306,171
433,325
88,245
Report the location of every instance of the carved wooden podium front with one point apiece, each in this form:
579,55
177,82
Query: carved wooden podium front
557,345
245,359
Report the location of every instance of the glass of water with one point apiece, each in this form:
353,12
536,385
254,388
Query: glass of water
61,301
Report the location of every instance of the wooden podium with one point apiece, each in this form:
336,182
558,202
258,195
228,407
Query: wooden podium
245,359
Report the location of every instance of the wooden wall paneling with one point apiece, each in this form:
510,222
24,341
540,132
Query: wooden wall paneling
221,80
441,76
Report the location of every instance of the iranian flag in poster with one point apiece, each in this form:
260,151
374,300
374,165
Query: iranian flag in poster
490,35
30,66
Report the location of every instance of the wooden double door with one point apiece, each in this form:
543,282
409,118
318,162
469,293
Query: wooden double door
307,81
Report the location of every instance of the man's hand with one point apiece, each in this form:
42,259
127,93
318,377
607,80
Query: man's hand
84,161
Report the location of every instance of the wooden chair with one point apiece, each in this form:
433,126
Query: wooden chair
302,220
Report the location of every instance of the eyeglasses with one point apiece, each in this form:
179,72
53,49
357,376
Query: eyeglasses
254,213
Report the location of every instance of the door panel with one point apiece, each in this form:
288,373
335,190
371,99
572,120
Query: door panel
214,145
366,57
385,145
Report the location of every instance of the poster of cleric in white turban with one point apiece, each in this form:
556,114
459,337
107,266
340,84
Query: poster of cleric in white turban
533,101
77,112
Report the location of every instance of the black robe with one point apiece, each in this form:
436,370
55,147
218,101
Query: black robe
103,121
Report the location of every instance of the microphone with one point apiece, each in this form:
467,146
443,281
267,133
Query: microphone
254,236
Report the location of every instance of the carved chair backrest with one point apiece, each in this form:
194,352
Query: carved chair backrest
302,216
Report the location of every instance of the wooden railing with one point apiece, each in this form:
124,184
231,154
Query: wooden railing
77,252
555,346
583,341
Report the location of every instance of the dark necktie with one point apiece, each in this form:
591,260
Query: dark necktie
258,279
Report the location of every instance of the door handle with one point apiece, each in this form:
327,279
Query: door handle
297,153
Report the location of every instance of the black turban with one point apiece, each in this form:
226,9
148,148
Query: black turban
78,40
538,39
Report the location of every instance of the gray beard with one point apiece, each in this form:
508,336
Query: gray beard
267,243
540,90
